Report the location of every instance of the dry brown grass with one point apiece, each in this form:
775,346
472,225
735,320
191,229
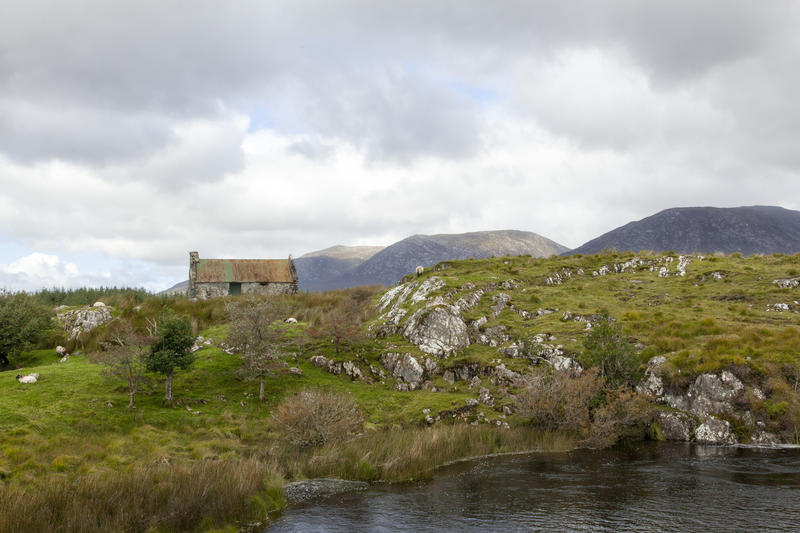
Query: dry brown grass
147,498
402,454
555,400
314,418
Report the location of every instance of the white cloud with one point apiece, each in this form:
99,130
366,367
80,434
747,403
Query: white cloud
259,130
39,270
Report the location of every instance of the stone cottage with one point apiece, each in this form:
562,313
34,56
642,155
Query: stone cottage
212,278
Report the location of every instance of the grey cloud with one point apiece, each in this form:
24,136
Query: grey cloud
396,117
351,70
30,132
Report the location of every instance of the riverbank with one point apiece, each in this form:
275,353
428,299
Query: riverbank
642,488
470,358
229,494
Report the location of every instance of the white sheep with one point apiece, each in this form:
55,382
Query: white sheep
419,270
30,378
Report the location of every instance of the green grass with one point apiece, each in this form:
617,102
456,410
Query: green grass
74,422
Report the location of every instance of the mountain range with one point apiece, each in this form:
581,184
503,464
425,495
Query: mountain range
320,271
748,230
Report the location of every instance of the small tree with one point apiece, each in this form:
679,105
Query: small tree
23,322
258,334
605,348
125,357
172,348
342,324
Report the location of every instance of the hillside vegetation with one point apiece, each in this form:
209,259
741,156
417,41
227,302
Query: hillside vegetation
516,376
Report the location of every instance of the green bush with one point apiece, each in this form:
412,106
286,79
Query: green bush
23,322
776,409
606,349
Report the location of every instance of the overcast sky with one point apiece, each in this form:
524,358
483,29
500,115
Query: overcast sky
134,132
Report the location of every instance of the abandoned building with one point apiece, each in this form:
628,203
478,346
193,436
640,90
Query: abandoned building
212,278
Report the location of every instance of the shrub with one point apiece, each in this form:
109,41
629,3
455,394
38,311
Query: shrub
625,414
313,418
776,409
555,400
23,322
606,349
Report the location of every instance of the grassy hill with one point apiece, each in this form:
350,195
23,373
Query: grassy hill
69,441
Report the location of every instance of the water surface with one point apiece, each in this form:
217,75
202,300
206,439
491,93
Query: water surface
659,487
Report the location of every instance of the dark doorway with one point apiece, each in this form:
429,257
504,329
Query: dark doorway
234,289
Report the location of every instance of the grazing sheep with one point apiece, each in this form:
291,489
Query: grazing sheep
30,378
419,270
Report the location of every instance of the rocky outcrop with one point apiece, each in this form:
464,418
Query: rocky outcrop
714,431
301,492
437,331
788,283
404,367
553,354
676,426
653,385
78,321
711,393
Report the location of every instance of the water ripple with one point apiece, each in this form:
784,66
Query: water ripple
648,488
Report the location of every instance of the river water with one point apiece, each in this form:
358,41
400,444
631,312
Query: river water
658,487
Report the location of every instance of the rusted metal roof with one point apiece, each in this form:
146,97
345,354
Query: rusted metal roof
244,270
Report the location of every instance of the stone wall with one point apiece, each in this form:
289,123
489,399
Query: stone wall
205,291
269,288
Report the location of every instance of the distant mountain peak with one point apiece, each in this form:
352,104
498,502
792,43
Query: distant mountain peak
747,229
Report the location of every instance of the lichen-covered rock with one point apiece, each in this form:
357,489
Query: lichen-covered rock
653,384
789,283
509,376
350,368
431,367
553,354
515,349
714,431
566,364
319,361
428,286
500,302
714,394
764,438
469,301
437,331
377,372
493,336
313,489
676,426
78,321
403,366
485,397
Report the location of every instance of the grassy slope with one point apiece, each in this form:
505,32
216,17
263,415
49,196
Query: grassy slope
701,323
64,425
